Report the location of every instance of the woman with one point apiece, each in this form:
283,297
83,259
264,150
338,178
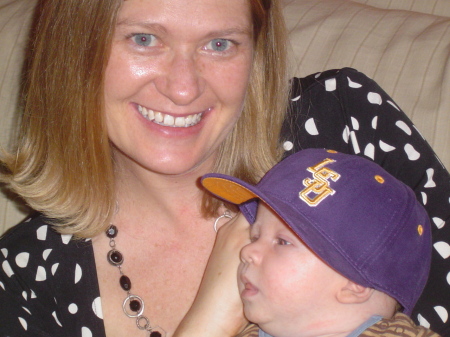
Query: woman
159,93
120,134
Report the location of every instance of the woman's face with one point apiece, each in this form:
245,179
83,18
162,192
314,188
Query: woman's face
176,81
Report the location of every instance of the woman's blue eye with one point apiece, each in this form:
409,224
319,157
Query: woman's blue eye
219,44
144,40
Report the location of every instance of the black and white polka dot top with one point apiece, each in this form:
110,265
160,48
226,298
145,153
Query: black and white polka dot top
48,282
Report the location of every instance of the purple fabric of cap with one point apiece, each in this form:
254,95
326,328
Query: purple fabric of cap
359,219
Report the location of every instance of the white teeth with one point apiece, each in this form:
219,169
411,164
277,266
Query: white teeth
180,121
169,120
151,114
159,117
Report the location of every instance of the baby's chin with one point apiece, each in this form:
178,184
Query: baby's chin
256,316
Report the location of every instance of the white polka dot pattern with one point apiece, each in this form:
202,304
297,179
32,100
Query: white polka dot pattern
330,85
287,146
85,332
24,323
7,269
345,111
310,127
374,98
443,248
78,273
58,282
42,233
386,147
48,274
97,307
442,312
73,308
423,321
22,259
403,126
430,183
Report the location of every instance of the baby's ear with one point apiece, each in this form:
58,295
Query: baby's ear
353,293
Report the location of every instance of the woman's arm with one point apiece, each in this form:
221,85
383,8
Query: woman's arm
48,284
346,111
217,310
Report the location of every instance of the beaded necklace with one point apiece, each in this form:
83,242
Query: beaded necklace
132,302
133,306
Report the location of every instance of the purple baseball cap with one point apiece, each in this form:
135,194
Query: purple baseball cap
356,217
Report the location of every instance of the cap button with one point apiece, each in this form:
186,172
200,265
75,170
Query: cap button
380,179
420,230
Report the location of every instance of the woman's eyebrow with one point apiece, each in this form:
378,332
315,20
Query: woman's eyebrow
239,30
142,24
231,31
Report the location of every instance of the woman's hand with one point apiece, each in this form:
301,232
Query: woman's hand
217,309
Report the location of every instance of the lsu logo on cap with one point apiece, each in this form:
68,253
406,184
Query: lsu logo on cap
318,188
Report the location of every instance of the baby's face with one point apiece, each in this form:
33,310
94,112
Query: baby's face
284,286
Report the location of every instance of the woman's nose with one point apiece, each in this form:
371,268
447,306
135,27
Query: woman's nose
181,81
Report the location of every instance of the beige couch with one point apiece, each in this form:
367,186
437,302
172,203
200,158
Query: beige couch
403,44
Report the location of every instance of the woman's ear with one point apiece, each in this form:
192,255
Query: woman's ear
352,293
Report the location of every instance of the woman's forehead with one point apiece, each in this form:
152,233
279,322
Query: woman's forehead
192,11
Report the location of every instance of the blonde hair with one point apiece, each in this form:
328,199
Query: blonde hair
253,146
63,165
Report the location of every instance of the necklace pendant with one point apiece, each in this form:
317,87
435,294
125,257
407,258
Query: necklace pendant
115,257
157,332
112,231
143,323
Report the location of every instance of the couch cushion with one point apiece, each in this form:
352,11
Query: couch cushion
436,7
406,52
15,18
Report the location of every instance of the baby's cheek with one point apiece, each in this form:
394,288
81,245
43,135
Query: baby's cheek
239,273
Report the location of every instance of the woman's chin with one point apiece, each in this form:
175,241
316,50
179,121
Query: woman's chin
166,165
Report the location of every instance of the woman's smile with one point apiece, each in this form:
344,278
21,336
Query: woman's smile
166,119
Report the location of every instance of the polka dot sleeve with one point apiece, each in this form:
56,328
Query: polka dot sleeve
48,284
346,111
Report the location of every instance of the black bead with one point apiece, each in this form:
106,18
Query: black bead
112,231
155,334
125,283
115,257
135,305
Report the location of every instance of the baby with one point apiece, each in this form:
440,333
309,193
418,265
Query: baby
338,247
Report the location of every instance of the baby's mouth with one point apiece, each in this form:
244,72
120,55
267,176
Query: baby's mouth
169,120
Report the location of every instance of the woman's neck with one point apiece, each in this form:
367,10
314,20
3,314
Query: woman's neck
160,199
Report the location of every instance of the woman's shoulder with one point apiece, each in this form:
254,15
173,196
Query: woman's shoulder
48,282
35,245
34,232
328,79
26,229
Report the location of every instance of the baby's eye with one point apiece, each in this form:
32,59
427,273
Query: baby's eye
283,242
219,45
144,40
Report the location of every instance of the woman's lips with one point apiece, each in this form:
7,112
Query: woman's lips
169,120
